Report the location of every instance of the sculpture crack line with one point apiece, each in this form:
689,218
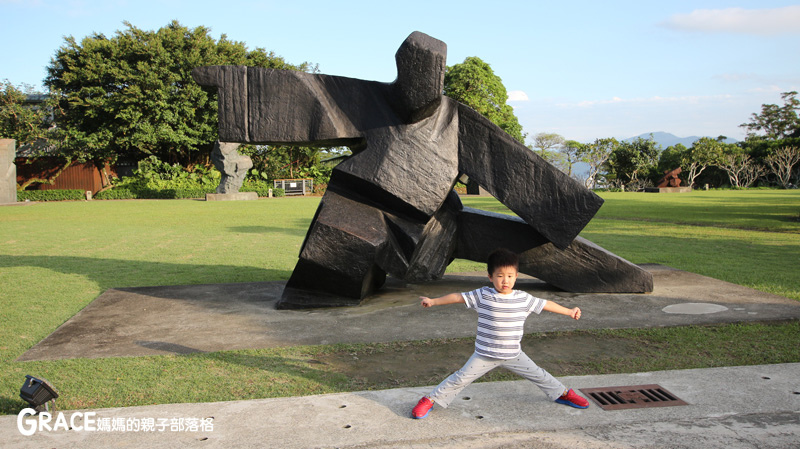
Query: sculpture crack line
390,208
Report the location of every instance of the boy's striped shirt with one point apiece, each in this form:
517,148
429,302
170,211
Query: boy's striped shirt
501,319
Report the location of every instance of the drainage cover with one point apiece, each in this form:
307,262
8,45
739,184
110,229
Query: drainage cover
634,396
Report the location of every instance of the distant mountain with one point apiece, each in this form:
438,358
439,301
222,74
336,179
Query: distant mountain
668,140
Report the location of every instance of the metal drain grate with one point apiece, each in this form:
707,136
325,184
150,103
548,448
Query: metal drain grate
634,396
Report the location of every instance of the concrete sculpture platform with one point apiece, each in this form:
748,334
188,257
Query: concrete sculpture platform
202,318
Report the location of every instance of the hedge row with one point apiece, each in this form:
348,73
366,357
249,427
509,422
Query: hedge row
122,193
127,194
50,195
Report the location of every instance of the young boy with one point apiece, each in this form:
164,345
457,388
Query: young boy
501,315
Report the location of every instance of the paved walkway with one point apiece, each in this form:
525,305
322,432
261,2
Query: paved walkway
734,407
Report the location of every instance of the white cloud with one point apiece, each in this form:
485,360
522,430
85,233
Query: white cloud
517,95
738,20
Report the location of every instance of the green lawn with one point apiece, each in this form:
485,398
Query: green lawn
750,238
55,258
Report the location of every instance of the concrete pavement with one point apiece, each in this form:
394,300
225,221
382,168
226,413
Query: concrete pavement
205,318
732,407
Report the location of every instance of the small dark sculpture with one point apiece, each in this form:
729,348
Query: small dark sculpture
670,178
390,208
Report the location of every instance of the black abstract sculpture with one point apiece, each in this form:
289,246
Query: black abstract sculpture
390,207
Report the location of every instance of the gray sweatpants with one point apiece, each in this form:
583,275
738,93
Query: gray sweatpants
478,365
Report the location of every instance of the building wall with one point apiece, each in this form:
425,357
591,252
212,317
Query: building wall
77,176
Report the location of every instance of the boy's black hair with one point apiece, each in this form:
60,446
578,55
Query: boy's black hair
502,258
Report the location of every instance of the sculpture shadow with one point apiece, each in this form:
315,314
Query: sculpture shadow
109,273
298,228
168,347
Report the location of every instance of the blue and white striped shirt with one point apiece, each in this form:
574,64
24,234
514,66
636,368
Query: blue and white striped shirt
501,319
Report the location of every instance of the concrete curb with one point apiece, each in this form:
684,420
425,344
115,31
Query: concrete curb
732,407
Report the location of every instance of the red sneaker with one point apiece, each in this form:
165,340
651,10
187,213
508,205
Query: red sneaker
572,399
422,409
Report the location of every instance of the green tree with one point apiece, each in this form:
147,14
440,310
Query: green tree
703,153
781,164
26,116
631,162
285,161
672,157
474,83
22,120
549,145
596,154
742,169
572,152
776,122
131,96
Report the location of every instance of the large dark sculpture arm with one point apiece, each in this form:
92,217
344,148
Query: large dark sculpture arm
269,106
554,204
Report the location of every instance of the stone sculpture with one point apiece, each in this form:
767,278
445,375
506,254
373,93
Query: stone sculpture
232,165
8,171
390,207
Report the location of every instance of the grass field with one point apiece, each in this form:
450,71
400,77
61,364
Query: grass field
55,258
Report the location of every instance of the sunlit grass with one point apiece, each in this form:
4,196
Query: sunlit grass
765,210
55,258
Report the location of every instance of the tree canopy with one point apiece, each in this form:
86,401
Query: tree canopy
474,83
132,95
596,154
572,152
549,145
631,161
19,119
776,122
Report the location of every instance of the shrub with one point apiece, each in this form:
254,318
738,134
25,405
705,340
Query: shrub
155,179
116,194
261,187
196,192
50,195
122,193
320,189
607,189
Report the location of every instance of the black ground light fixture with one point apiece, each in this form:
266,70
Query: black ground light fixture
38,393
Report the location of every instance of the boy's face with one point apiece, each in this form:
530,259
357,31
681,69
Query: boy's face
504,279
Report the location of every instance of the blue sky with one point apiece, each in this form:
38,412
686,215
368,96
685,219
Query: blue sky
582,69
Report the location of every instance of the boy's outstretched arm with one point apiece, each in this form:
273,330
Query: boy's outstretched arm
452,298
574,313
